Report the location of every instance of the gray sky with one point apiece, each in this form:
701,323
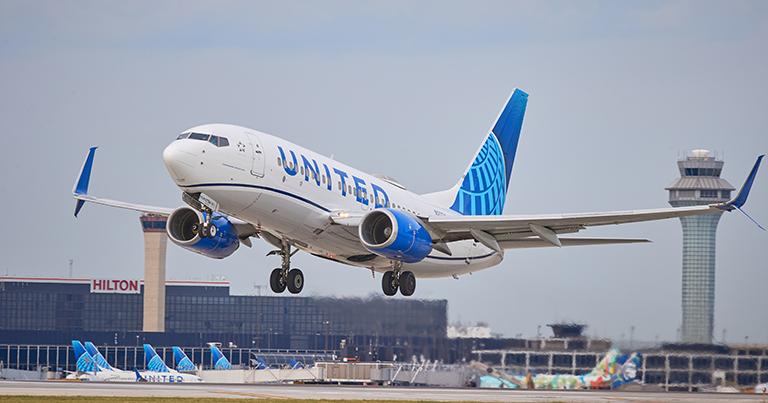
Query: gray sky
618,90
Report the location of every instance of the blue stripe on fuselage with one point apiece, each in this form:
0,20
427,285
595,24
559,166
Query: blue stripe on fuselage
246,185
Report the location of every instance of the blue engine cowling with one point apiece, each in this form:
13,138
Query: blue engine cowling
395,235
182,229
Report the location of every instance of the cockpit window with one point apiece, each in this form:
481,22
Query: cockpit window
215,140
199,136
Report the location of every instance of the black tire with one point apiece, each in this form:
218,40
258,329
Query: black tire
388,284
295,281
276,281
407,283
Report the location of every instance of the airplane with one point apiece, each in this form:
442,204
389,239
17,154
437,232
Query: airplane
219,360
158,372
239,183
612,371
183,363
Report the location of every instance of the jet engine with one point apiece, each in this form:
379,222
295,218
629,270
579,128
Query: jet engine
184,226
395,235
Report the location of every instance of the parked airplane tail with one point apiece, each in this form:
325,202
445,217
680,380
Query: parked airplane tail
154,362
627,371
183,363
482,190
97,357
607,365
219,360
84,361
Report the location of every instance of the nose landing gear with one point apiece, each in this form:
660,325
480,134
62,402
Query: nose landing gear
396,279
205,228
285,277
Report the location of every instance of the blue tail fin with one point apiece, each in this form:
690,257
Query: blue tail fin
219,360
94,352
154,362
183,363
84,361
483,188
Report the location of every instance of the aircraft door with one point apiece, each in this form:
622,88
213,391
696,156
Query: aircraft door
257,152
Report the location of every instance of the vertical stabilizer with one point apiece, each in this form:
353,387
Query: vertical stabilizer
219,360
97,357
482,190
154,362
183,363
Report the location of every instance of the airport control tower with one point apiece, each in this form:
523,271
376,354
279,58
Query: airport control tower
155,241
699,183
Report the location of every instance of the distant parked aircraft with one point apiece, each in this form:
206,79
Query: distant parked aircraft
612,371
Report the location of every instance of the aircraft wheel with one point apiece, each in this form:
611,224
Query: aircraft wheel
295,281
276,281
407,283
388,283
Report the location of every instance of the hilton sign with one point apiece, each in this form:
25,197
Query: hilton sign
115,286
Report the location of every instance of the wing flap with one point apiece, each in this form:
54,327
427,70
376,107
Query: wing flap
540,243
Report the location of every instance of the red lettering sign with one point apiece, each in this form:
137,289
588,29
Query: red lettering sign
115,286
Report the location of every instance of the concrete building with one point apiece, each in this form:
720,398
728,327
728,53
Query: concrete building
155,243
699,183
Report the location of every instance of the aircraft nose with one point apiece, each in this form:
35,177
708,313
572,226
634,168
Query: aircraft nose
178,161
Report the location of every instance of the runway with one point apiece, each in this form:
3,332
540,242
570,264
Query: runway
330,392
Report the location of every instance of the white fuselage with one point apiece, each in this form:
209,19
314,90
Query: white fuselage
289,192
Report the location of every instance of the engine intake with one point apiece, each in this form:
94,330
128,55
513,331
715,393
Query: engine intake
395,235
183,226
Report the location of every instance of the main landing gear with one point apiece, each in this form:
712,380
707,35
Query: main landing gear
285,277
396,279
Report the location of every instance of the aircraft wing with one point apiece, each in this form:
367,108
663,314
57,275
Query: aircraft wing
500,232
80,193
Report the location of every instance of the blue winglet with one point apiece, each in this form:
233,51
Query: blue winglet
81,187
741,198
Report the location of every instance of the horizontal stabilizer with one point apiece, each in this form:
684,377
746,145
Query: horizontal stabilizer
540,243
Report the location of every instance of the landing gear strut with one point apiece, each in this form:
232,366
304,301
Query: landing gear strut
285,277
396,279
206,228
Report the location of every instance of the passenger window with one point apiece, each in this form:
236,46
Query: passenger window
223,142
279,162
302,171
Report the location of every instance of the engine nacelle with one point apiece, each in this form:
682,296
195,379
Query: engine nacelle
182,228
395,235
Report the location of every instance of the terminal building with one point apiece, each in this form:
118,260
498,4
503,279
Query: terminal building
52,311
